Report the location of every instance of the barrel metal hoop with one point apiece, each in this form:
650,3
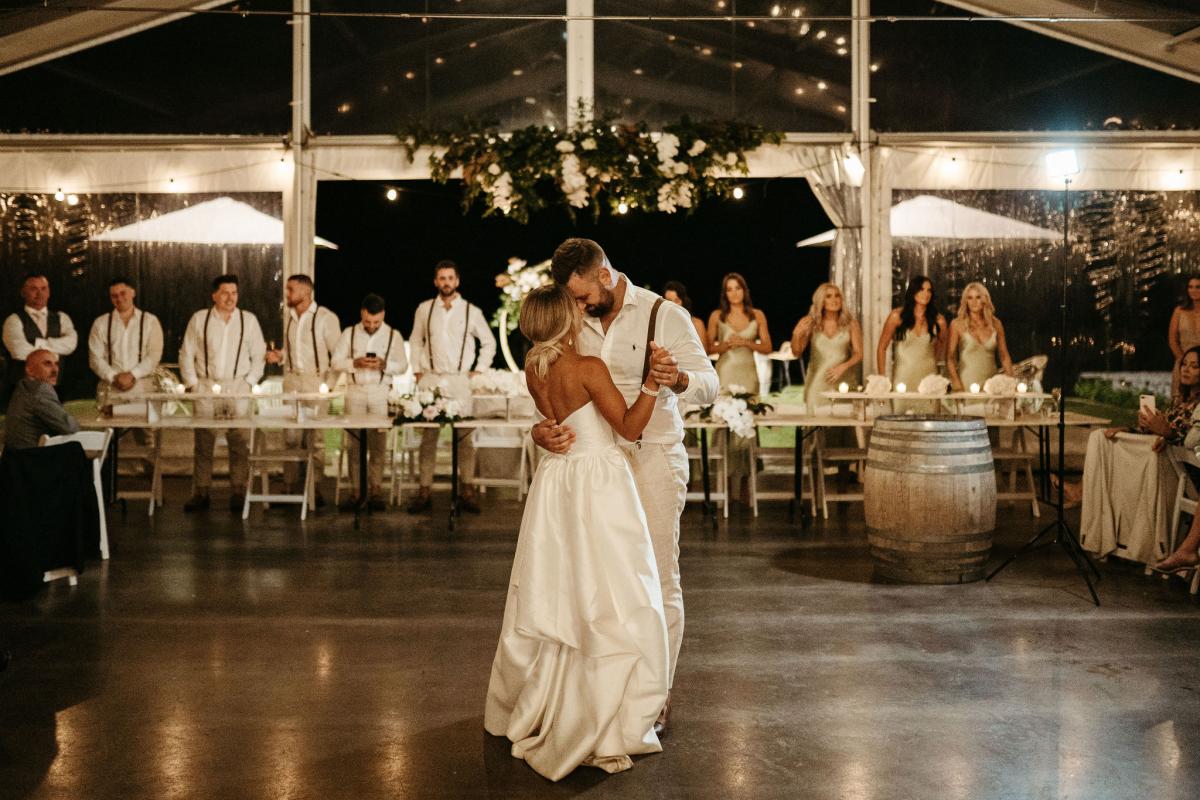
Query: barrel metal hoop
931,451
932,469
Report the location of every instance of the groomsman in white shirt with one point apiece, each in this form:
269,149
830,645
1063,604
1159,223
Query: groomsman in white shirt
619,321
371,352
126,344
309,336
34,327
224,345
443,350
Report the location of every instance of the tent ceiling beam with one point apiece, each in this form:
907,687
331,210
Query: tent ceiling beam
1128,41
58,35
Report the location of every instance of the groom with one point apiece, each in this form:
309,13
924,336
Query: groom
616,328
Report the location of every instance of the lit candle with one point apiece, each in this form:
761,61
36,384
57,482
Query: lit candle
1022,388
323,388
256,389
901,388
216,388
843,387
974,388
180,389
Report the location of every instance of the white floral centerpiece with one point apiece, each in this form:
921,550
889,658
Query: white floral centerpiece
519,279
933,384
502,382
876,385
736,408
1000,384
428,405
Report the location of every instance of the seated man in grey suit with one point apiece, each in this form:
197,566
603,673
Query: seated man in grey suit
34,409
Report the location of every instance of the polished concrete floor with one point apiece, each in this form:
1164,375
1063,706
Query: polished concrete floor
212,658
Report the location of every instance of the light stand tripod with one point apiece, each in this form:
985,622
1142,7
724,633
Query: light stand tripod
1059,530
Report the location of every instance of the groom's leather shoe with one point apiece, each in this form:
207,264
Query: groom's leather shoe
660,724
422,502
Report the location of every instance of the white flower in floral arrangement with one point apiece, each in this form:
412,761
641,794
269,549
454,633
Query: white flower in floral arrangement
666,199
632,159
605,177
592,172
877,385
425,396
493,168
731,159
411,408
933,384
738,404
697,148
737,388
1000,384
454,408
668,147
430,413
680,168
588,144
515,265
565,147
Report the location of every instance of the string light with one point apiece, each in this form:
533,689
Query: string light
518,73
59,196
738,193
840,40
875,67
622,207
391,194
796,12
821,34
72,199
841,51
822,85
410,75
799,90
776,10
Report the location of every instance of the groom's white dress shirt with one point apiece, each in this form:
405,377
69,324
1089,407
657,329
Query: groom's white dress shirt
623,349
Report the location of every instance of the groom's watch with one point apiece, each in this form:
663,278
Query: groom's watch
681,383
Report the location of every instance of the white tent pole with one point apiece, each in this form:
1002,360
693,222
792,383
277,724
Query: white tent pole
299,201
581,51
224,260
870,317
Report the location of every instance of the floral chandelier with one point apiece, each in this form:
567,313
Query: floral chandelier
595,163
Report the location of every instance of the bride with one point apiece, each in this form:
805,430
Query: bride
580,672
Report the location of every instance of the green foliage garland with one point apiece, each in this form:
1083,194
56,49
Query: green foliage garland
595,163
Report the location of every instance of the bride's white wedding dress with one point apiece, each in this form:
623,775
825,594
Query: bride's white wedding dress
580,673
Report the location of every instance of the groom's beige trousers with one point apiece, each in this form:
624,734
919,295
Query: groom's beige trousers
661,474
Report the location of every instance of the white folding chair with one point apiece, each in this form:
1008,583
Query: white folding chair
95,444
718,466
1019,460
1187,498
503,438
823,456
151,454
778,462
262,458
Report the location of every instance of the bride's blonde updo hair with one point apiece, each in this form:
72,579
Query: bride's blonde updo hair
547,320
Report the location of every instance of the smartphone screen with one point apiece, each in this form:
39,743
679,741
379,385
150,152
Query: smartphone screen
1147,403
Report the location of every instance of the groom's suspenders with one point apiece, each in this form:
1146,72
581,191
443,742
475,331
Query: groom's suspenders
649,338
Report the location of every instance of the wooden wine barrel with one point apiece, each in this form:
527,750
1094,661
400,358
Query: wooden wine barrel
930,498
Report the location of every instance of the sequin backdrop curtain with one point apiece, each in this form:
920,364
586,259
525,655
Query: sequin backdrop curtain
39,233
840,200
1130,254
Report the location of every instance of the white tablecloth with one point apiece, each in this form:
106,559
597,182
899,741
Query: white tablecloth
1128,490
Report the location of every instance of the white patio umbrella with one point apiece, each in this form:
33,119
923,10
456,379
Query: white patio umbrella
930,218
223,221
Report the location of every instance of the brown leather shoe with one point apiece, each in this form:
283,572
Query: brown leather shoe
469,501
422,502
197,502
237,502
664,716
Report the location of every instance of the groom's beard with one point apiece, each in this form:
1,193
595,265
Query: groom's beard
607,299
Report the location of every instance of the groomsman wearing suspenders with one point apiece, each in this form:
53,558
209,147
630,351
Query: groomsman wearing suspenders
222,344
443,349
370,352
125,344
34,327
309,336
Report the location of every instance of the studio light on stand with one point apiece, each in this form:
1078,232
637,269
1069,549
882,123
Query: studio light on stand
1061,165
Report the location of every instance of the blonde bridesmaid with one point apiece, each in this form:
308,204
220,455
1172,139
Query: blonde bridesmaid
916,333
835,339
977,348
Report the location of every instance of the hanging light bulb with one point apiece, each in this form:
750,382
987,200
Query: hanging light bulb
72,199
738,193
622,207
392,194
59,196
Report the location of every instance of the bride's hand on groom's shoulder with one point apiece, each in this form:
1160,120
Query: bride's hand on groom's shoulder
552,437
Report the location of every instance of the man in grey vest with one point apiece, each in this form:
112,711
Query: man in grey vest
35,327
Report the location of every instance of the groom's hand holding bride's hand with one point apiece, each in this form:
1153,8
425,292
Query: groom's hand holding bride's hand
664,370
551,436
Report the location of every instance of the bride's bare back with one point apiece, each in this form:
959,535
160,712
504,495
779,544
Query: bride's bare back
573,381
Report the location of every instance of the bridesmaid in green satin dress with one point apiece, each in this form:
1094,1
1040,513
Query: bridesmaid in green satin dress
916,332
835,339
736,331
977,348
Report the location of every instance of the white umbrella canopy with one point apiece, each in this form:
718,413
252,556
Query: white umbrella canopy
223,221
929,217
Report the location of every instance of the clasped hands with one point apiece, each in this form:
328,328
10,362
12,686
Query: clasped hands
664,371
